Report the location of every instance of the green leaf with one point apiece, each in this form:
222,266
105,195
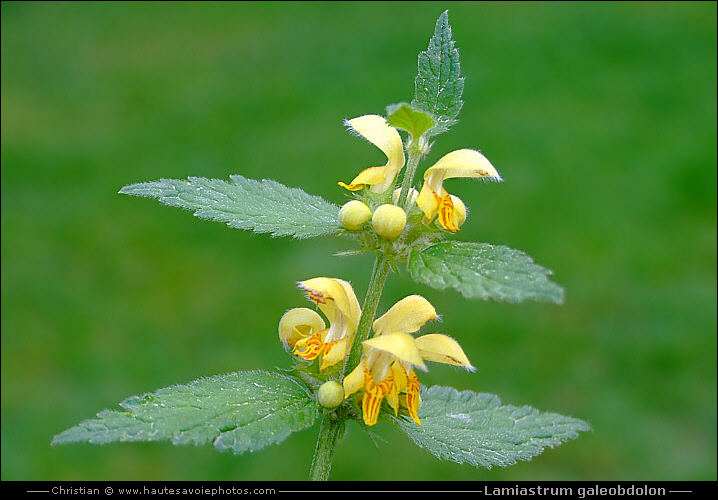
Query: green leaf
438,85
264,206
483,271
242,411
467,427
403,116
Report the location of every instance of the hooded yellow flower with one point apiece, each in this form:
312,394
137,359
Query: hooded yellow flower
387,369
297,324
336,299
375,129
434,199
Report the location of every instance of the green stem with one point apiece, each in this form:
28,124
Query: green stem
332,427
371,302
330,432
406,183
415,152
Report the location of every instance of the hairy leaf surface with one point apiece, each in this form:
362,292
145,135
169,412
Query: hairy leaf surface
263,206
242,411
467,427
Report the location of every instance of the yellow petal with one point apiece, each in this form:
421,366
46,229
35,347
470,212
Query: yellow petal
375,129
428,201
413,398
333,352
407,316
442,349
371,176
400,345
400,380
459,213
393,399
371,402
463,163
459,163
349,305
299,323
333,296
354,380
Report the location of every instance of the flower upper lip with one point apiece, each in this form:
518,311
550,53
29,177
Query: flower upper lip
333,296
336,299
375,129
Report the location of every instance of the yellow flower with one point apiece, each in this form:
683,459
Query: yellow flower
336,299
299,323
434,199
375,129
387,369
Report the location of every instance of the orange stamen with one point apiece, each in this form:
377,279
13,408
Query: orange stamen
313,346
373,396
413,400
446,212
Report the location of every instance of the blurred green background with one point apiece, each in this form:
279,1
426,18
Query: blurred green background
601,117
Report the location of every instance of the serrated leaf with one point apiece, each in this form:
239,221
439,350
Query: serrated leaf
263,206
483,271
404,117
467,427
242,411
438,84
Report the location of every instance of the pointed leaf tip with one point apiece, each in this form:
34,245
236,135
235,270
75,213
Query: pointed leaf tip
438,85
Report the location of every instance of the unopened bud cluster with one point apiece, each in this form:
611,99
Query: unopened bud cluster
387,220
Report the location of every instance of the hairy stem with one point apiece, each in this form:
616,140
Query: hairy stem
371,302
414,154
330,432
332,427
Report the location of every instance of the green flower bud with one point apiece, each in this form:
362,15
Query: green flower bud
353,214
388,221
330,394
